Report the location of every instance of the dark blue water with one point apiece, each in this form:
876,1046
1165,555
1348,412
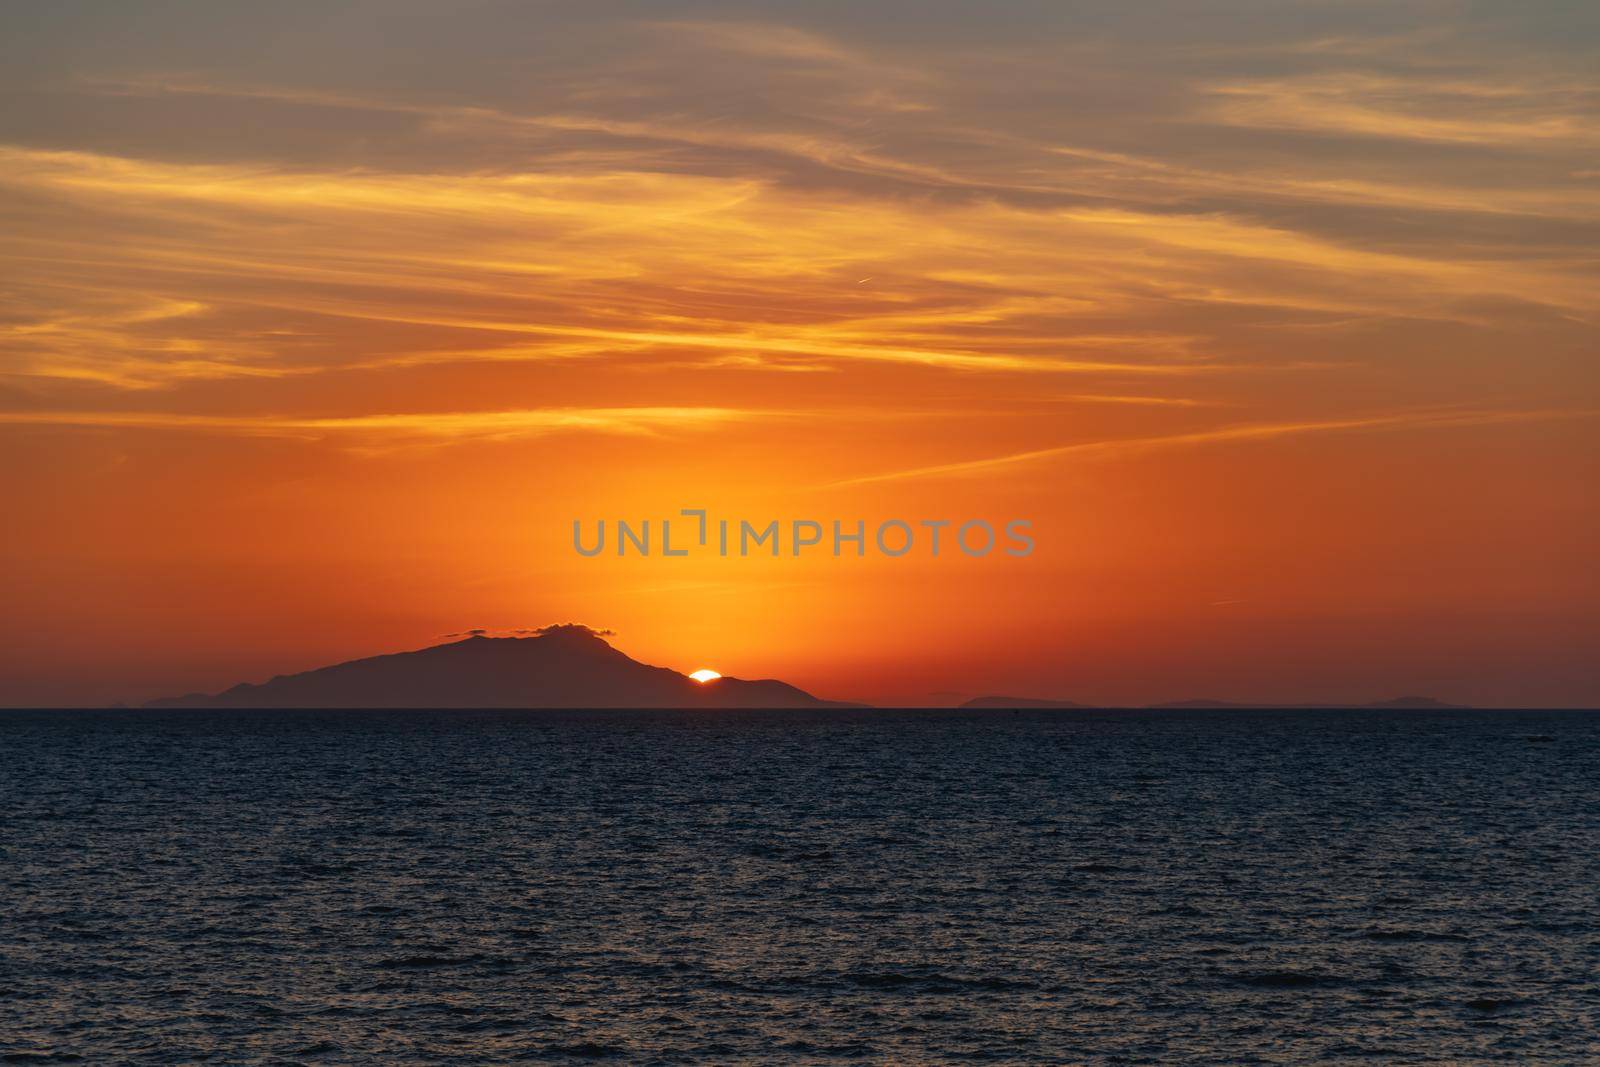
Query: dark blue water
721,887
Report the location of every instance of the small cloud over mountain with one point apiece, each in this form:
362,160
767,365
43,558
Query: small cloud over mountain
570,628
573,628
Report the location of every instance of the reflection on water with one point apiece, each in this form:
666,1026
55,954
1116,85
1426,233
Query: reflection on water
490,887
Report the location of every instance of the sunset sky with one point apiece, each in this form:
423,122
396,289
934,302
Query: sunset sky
321,323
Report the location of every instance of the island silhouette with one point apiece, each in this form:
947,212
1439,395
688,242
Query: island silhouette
564,666
573,666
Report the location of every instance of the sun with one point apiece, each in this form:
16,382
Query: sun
704,675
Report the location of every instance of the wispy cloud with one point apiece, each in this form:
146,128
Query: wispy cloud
535,265
1423,107
438,426
1259,431
1131,399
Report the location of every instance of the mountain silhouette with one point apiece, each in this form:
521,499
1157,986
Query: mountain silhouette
566,666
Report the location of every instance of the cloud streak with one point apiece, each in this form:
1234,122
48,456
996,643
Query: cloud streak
534,265
440,426
1534,113
1260,431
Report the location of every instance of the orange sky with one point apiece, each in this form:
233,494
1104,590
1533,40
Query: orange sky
320,329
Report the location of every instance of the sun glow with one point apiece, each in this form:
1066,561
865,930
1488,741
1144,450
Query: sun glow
704,675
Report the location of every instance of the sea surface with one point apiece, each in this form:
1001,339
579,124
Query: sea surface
810,887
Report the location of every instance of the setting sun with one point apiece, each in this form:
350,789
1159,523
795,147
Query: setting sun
704,675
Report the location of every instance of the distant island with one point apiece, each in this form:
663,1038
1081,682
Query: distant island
1020,703
565,666
1023,703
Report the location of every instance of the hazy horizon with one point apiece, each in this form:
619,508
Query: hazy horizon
935,701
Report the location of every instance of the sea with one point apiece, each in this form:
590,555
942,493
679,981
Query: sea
850,886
